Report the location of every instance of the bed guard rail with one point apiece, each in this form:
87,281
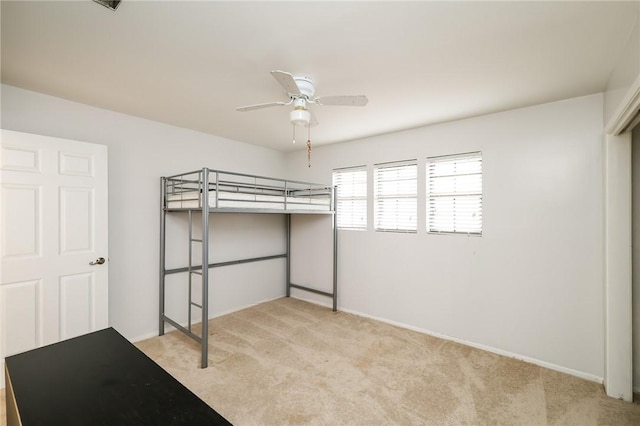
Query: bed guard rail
237,190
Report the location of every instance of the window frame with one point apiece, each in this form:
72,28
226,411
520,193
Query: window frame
364,199
399,195
475,156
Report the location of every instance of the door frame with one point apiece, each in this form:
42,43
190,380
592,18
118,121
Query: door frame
618,284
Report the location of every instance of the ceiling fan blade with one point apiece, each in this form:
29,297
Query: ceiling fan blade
287,81
359,100
258,106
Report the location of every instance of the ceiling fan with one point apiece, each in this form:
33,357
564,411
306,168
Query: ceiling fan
300,91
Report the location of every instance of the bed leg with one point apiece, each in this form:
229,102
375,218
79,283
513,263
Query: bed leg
288,278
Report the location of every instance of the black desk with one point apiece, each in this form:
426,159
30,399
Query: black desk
98,379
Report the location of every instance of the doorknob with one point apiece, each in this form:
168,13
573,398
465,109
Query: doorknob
98,261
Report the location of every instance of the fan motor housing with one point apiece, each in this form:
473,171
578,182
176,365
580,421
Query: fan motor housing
305,84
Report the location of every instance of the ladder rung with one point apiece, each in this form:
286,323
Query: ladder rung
196,272
196,305
195,240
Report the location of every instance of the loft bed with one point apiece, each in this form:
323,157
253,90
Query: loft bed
209,191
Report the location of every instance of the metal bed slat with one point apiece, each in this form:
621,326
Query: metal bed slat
183,329
247,210
227,263
311,290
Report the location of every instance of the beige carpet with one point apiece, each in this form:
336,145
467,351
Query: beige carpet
291,362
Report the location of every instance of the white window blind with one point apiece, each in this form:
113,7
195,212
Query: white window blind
454,193
351,197
396,197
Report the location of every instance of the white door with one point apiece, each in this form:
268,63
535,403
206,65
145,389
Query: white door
53,229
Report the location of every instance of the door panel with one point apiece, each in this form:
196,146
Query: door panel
20,158
76,164
20,221
19,303
53,223
76,220
76,305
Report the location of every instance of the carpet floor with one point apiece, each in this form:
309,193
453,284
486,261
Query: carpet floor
289,362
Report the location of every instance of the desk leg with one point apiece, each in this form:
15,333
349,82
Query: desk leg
13,417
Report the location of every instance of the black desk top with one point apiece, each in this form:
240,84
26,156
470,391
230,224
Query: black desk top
101,379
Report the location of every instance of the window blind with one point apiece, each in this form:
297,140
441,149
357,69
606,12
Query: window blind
454,193
351,197
396,201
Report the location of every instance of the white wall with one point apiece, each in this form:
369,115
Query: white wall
532,284
140,151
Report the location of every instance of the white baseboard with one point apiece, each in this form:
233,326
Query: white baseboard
316,302
545,364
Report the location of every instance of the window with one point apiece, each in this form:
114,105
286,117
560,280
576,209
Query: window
454,194
351,197
396,197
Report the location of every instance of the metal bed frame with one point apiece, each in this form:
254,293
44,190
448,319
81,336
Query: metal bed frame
214,191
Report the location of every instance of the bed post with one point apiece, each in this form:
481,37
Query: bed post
163,214
205,267
288,253
334,200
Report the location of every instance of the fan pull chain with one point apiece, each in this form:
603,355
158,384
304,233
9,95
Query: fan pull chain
308,146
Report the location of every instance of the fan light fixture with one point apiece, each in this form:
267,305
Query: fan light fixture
300,117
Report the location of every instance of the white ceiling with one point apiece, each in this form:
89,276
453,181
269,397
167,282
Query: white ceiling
191,63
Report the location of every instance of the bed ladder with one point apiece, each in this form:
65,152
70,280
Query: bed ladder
192,270
196,271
